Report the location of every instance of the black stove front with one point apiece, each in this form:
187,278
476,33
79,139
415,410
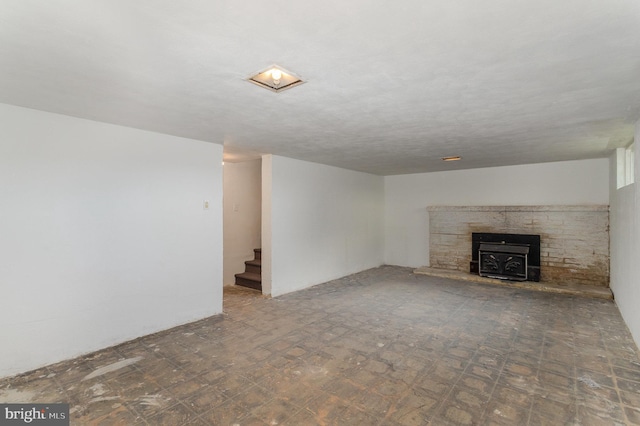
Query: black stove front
506,256
504,261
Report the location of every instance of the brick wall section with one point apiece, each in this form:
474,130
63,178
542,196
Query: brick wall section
574,239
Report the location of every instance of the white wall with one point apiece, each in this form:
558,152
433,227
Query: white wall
625,245
267,183
325,222
103,235
407,197
242,215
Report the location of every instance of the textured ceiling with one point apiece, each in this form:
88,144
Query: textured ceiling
391,86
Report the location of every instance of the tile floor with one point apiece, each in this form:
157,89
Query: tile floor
382,347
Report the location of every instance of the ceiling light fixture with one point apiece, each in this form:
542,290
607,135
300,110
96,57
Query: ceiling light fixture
275,78
276,75
456,158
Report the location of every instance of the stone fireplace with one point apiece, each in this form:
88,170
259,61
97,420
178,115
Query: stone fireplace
573,241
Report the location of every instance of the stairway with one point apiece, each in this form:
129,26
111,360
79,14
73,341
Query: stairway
252,275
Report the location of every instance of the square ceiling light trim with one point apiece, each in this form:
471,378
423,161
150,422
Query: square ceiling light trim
276,79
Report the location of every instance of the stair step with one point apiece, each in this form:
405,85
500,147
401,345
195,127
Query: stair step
254,266
249,279
257,253
250,276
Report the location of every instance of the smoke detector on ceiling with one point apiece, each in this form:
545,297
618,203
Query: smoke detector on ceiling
276,79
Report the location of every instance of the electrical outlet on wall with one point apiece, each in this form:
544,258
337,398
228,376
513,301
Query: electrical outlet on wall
205,205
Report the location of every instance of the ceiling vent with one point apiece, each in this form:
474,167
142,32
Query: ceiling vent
276,79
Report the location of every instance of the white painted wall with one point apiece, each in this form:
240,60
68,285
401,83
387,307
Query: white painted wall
242,215
326,223
625,244
407,197
103,235
267,183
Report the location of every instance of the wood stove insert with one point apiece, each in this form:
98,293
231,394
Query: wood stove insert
503,261
506,256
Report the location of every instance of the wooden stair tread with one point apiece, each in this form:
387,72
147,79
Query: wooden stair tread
250,276
255,262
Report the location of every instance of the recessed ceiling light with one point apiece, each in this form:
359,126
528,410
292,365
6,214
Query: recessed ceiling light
451,158
275,78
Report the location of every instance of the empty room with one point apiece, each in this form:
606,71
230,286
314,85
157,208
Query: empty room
319,213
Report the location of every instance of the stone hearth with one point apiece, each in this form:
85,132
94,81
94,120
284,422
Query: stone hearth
595,292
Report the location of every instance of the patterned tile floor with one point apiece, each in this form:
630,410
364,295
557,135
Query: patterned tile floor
382,347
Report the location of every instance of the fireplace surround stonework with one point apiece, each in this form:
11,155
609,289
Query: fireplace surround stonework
574,240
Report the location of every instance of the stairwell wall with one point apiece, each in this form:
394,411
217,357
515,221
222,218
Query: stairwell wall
242,204
324,223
